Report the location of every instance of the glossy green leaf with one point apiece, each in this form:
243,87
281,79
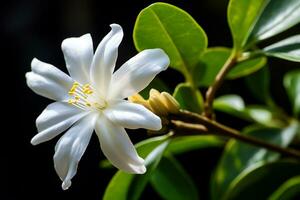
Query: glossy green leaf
143,148
259,181
265,115
130,186
292,85
277,17
188,98
214,58
231,104
211,62
259,84
172,182
183,144
289,190
165,26
178,145
235,105
118,186
156,84
147,146
288,49
242,15
260,114
239,156
152,160
247,67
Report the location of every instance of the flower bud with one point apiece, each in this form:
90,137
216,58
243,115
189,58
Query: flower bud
154,93
161,104
157,106
170,102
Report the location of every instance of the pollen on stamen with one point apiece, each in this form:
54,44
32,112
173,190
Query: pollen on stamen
87,89
86,86
73,88
71,101
88,92
82,96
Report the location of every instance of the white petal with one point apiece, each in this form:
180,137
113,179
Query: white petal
105,59
78,53
48,81
117,147
137,73
133,116
70,148
55,119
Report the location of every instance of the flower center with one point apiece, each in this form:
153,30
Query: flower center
84,97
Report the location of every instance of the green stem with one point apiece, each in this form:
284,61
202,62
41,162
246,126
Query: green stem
211,91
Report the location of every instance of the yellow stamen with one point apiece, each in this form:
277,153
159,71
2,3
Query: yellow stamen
82,97
71,101
73,88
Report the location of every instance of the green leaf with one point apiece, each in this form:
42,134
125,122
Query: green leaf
143,148
235,105
242,15
231,104
289,190
183,144
263,115
211,62
214,58
255,20
247,67
238,156
288,49
277,17
188,97
172,182
292,85
165,26
259,84
118,186
125,186
147,146
156,84
178,145
259,181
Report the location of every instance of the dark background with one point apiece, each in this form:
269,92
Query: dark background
36,29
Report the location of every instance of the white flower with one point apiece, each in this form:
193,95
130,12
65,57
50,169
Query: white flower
92,98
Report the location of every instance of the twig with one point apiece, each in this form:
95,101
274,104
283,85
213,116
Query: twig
214,127
211,91
183,128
